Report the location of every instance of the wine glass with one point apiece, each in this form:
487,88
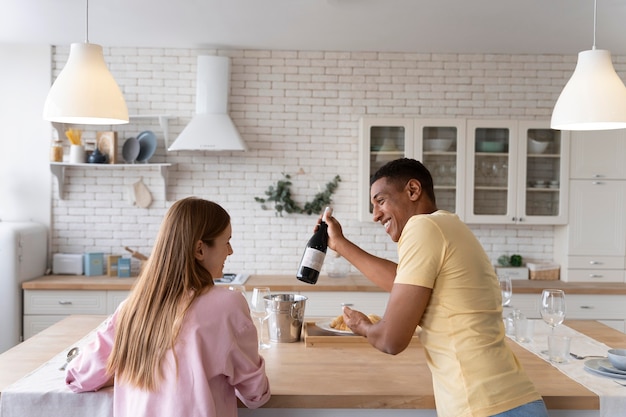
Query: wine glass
553,307
507,290
260,313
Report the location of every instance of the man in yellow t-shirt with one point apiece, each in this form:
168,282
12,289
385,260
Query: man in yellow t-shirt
445,283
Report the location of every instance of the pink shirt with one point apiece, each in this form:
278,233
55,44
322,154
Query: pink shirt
218,362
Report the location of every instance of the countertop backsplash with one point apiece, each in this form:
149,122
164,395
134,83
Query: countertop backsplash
298,111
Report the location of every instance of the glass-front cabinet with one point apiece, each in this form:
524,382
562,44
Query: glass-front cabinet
486,171
515,171
437,143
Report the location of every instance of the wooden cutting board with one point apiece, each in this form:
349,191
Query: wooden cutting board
317,337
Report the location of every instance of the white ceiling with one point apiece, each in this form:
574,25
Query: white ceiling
471,26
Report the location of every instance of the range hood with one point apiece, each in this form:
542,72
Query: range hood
211,129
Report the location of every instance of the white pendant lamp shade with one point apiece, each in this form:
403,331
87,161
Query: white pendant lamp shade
594,98
85,92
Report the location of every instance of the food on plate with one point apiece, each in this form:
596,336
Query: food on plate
338,324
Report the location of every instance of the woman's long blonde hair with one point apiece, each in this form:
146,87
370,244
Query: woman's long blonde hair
150,320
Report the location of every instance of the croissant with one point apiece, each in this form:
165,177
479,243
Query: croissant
338,323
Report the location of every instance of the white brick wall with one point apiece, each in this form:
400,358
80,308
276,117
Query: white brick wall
296,110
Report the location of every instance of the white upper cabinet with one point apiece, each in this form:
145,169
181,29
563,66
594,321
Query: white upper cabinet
515,171
598,154
437,143
482,169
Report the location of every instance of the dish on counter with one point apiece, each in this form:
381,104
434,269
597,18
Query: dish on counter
147,145
593,366
130,150
325,325
606,365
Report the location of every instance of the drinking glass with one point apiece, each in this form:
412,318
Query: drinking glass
260,313
553,307
507,290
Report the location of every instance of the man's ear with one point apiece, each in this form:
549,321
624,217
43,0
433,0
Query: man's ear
414,189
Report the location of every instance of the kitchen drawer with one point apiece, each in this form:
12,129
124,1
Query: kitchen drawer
595,307
35,324
328,304
595,275
64,302
596,262
114,298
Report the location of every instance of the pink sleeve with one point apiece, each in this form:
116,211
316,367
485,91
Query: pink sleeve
88,371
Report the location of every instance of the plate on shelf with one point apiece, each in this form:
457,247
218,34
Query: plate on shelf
130,150
147,145
593,366
325,325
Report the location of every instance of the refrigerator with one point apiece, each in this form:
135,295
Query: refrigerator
23,256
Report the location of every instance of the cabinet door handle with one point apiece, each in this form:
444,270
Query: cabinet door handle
595,275
586,307
597,182
595,263
65,302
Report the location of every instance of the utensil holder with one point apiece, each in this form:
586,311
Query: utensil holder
77,154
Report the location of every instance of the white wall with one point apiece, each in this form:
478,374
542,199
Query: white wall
24,154
296,110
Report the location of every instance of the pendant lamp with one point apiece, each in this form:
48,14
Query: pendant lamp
85,92
594,98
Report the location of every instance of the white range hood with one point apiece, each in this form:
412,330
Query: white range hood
211,129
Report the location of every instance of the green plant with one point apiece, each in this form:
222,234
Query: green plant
280,195
514,260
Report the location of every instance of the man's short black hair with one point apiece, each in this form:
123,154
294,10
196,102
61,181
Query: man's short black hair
400,171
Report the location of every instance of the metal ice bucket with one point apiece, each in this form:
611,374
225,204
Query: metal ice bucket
286,316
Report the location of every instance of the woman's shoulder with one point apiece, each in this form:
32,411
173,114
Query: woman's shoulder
221,298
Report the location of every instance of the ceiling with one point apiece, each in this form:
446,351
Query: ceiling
445,26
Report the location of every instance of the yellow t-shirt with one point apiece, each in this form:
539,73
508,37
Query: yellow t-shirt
474,372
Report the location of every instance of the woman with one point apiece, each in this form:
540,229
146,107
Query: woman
179,345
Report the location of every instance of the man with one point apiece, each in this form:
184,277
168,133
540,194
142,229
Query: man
445,283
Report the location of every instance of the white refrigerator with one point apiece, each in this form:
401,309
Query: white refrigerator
23,256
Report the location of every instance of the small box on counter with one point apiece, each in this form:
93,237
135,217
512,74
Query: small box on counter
112,265
123,267
67,263
512,272
544,271
94,264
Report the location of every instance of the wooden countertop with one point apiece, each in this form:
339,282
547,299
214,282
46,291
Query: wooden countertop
336,376
288,283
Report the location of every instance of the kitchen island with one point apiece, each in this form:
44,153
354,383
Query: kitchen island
339,376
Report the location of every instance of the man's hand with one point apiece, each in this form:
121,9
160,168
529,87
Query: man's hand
358,322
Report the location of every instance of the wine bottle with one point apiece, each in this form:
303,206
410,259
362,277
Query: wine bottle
314,253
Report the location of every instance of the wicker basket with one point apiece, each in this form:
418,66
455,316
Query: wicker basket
544,272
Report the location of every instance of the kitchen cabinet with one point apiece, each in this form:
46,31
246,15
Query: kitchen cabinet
593,244
598,154
43,308
607,309
482,169
437,143
508,182
328,304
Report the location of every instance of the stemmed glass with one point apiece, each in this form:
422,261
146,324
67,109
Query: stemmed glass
507,290
259,312
553,307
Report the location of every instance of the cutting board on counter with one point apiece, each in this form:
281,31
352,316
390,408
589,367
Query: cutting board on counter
315,336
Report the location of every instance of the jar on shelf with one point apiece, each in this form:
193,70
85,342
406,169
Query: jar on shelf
56,151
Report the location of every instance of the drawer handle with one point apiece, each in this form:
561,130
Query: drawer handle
586,307
595,276
595,263
65,302
597,182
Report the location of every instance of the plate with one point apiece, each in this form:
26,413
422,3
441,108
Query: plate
593,366
130,150
325,325
606,365
147,145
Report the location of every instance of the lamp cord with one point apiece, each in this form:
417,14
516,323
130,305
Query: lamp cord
595,19
87,23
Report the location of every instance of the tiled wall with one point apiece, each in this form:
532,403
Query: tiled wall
298,112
